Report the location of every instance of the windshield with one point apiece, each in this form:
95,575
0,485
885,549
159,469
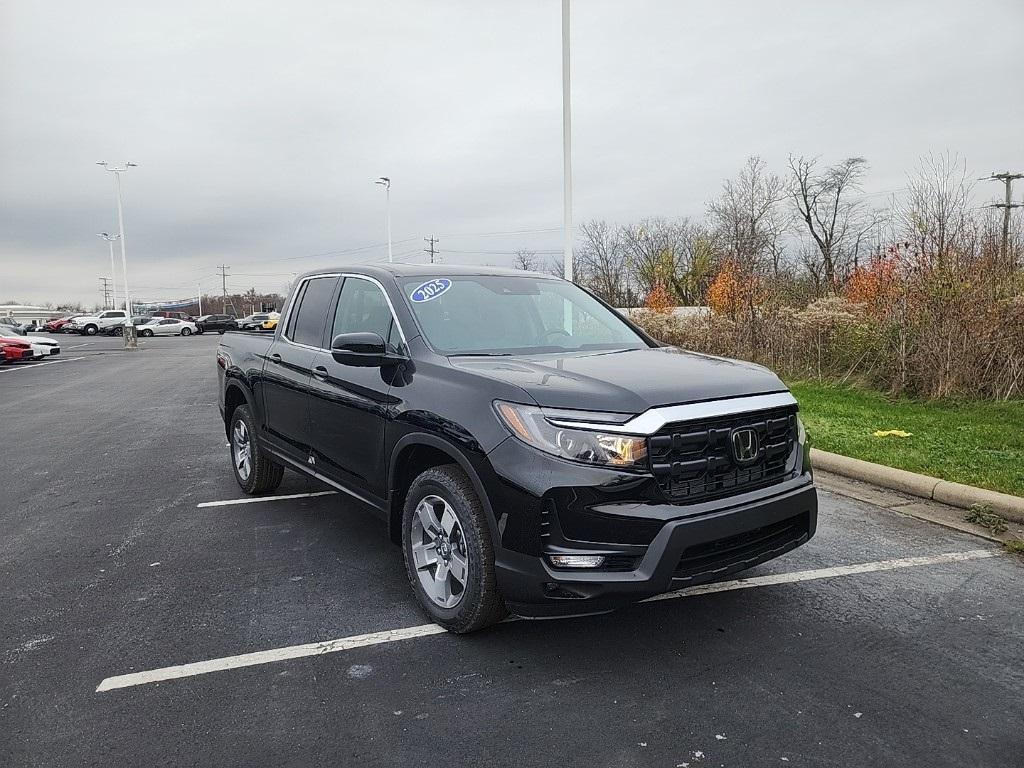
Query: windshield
492,314
11,330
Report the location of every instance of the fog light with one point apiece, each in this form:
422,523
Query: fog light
576,561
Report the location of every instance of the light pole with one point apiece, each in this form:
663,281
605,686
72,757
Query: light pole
385,182
113,271
566,147
130,340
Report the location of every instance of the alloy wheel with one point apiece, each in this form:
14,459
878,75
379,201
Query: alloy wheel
439,552
241,449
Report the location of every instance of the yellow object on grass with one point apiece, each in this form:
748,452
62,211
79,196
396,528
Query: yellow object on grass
891,433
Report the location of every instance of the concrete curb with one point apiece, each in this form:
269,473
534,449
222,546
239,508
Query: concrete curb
923,486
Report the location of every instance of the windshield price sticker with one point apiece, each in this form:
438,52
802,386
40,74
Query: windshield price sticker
430,290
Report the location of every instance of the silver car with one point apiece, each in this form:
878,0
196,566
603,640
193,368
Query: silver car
167,326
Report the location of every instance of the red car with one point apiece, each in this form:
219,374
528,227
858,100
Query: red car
13,350
57,325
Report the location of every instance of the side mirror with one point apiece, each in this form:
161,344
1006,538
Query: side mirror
364,350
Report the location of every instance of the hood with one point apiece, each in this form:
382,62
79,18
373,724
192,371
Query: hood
42,340
628,381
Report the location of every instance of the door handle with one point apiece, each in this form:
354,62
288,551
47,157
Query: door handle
320,373
275,358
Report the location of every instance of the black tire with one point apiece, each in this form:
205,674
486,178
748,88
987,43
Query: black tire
480,605
146,332
186,331
264,475
199,330
90,330
221,331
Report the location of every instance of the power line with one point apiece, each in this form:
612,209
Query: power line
1007,178
507,232
431,250
507,253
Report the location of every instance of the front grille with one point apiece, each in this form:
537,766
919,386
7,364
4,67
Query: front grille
694,461
715,559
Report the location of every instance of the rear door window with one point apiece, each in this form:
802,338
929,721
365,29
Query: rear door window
306,325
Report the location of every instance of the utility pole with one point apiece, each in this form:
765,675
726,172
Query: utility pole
105,287
111,239
431,250
199,293
1007,178
224,286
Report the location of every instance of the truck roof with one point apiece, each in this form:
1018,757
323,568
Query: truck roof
380,271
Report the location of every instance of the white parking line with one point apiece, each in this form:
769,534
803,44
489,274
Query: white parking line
424,630
256,499
31,366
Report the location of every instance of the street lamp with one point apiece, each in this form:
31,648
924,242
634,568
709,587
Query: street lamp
113,272
129,329
385,182
566,148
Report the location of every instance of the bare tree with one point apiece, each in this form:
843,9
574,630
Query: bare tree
827,210
605,262
526,260
664,249
935,214
556,267
748,220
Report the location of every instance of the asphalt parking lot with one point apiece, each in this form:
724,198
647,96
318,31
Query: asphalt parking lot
884,641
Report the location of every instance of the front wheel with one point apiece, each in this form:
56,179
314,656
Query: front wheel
449,556
146,332
254,470
90,330
186,331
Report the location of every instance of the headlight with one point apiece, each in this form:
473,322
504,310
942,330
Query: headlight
801,431
529,424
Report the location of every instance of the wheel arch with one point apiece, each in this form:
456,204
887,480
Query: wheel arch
235,394
414,454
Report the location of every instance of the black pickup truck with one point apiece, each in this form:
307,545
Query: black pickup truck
530,448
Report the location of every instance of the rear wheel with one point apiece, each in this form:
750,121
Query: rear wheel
449,556
254,470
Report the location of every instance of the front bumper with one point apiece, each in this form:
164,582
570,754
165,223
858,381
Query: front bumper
545,506
685,552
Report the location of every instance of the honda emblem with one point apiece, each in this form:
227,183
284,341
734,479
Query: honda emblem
745,446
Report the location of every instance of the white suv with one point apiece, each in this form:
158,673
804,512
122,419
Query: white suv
90,325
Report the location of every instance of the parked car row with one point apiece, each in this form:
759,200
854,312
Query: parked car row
111,323
18,345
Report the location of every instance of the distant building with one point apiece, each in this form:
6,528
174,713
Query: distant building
26,313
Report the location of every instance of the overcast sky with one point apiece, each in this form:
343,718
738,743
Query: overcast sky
260,127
